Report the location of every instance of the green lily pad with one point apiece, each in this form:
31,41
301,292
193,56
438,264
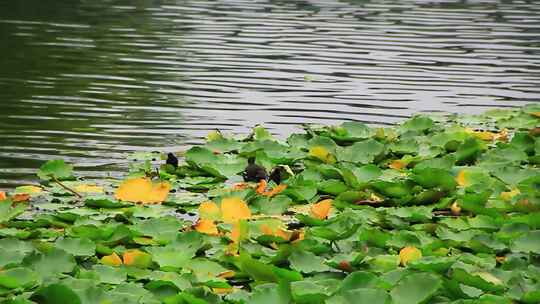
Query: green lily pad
363,152
17,278
416,288
56,293
307,262
76,246
55,169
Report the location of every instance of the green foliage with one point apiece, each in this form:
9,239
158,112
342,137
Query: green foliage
461,190
55,169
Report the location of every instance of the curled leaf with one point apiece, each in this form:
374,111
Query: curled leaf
111,260
135,257
142,190
408,254
321,209
455,209
226,274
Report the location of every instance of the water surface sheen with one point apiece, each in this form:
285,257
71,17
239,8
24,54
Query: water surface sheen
88,81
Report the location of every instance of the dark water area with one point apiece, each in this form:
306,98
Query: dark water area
90,81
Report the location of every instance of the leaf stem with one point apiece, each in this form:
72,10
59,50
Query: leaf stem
66,187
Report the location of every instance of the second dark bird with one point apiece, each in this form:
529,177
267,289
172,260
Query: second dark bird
254,172
172,160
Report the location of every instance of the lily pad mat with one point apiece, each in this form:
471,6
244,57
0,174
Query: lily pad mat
439,209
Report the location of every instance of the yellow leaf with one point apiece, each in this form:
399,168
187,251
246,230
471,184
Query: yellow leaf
29,189
408,254
321,209
300,209
235,233
214,135
232,249
502,136
130,256
485,135
261,187
226,274
398,164
111,260
209,210
297,236
142,190
537,114
86,188
275,228
240,186
239,232
222,290
207,226
323,154
234,209
20,197
277,189
461,178
508,195
486,276
455,209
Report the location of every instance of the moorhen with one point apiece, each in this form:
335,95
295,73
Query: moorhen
254,172
172,160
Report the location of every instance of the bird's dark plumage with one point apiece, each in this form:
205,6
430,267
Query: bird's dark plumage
278,174
254,172
172,160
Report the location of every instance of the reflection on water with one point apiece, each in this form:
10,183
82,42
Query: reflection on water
89,81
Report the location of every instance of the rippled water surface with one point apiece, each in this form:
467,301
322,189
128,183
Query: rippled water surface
90,80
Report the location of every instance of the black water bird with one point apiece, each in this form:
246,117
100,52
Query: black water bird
254,172
278,174
172,160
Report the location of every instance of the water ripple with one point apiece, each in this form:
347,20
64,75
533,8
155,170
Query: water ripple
91,81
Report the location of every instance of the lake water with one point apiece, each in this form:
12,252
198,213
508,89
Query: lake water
90,81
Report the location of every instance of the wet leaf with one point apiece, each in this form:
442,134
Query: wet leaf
234,209
142,190
111,260
321,209
206,226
